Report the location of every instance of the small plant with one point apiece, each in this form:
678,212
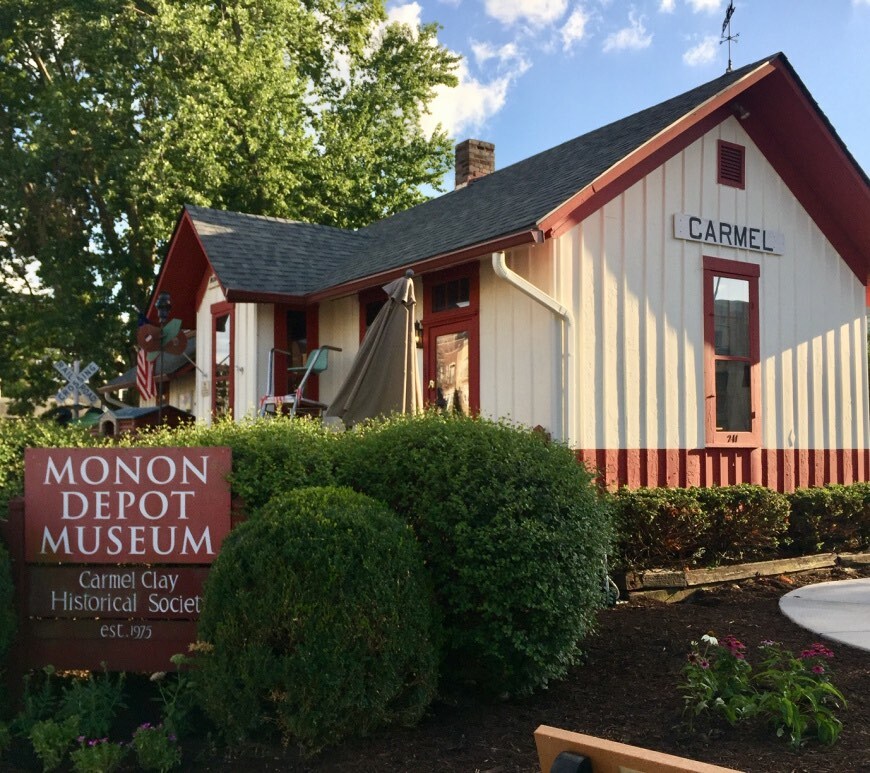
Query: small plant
51,739
791,693
95,700
178,695
97,755
156,748
796,695
40,700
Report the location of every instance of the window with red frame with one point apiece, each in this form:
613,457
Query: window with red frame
222,359
731,346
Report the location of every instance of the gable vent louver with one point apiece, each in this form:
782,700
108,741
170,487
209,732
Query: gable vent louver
732,164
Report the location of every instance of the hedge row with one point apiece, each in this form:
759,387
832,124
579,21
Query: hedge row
706,526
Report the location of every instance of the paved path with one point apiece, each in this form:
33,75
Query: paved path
837,610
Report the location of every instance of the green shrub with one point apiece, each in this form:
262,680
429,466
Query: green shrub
270,456
18,434
321,621
660,526
513,532
745,522
7,605
830,517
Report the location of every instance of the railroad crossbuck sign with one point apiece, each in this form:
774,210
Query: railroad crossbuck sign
77,381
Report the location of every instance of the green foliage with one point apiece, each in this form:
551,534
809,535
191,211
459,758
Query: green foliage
792,694
320,620
7,607
97,755
51,739
116,114
95,700
16,435
270,456
177,694
513,533
39,702
830,517
659,526
746,521
667,526
156,748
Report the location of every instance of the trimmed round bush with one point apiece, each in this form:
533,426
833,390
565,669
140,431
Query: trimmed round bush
7,609
321,620
513,532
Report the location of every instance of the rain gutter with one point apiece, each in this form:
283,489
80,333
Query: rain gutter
499,265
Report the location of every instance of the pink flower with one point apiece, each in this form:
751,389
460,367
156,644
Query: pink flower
817,650
704,663
818,669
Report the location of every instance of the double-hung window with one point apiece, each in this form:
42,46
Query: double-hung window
731,346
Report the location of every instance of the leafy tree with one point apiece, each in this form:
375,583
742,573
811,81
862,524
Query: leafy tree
114,114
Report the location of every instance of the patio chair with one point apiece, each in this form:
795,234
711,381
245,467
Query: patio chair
272,404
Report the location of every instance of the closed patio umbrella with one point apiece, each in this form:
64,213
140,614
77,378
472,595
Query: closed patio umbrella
383,377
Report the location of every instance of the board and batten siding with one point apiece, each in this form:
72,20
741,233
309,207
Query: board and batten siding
520,370
636,292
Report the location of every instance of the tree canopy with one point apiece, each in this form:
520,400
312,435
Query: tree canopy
115,113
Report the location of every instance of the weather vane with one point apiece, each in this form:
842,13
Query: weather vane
726,25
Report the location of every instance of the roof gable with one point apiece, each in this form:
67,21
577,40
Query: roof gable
259,258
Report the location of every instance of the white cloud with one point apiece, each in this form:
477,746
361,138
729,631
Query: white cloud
667,6
860,2
467,106
409,13
574,29
533,11
634,36
709,6
508,56
703,53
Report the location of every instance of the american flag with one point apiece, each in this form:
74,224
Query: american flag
145,376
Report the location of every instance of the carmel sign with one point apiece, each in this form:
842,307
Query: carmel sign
126,505
697,229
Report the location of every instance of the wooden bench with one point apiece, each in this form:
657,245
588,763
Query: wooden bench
560,751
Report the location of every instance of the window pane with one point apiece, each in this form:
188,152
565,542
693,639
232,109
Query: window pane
222,340
455,294
733,406
451,369
731,316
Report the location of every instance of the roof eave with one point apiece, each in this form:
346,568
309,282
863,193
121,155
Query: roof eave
528,235
649,155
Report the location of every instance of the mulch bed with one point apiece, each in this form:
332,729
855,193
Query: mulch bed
625,691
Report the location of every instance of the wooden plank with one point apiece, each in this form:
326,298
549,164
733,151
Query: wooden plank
145,646
612,757
853,559
759,569
655,578
118,592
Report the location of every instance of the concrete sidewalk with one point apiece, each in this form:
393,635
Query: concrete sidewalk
837,610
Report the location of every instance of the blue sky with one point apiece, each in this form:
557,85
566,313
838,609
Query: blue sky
538,72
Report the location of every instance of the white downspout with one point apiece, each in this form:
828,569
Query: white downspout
499,265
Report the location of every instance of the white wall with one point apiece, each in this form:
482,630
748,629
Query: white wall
637,295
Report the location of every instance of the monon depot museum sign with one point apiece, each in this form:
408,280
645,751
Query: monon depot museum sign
117,543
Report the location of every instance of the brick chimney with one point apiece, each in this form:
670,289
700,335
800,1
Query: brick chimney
474,158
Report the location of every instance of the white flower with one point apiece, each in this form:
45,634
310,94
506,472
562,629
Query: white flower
707,639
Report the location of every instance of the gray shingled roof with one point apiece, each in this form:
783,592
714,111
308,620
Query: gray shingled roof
263,254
